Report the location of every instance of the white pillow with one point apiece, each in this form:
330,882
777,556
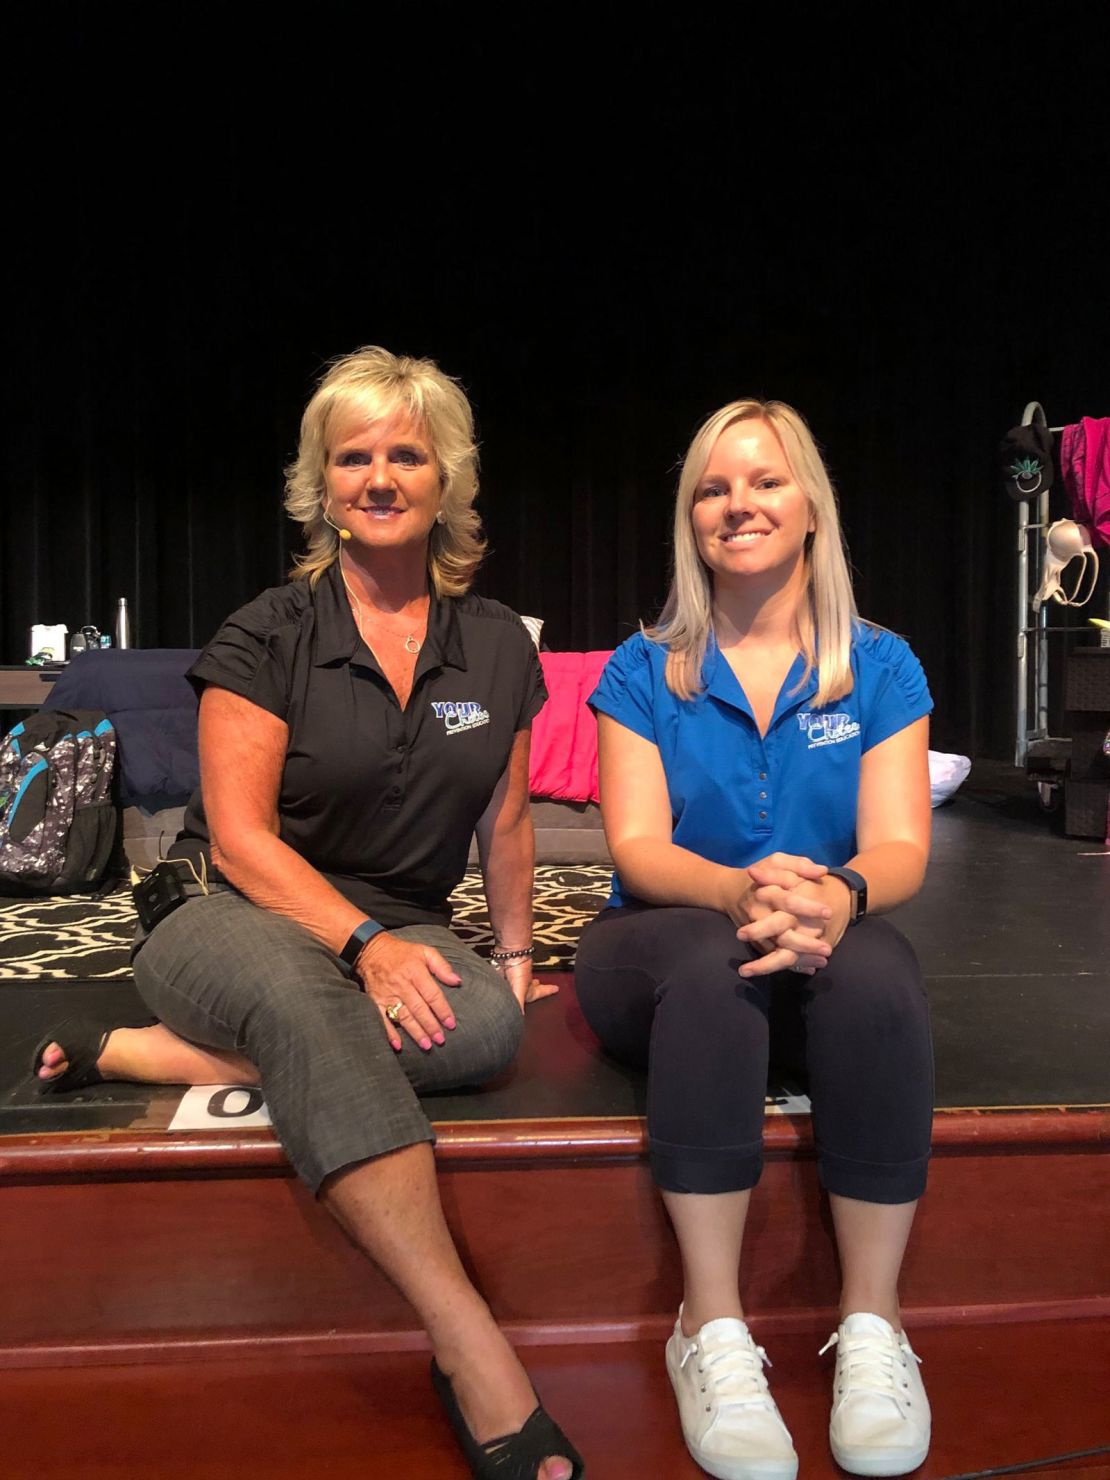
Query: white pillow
947,773
535,627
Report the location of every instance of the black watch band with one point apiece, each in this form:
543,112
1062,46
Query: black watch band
858,886
358,938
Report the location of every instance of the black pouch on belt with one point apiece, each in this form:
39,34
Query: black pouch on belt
169,884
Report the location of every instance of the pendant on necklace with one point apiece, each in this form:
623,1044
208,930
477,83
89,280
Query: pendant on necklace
411,644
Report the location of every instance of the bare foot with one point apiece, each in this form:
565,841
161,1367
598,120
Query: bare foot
155,1055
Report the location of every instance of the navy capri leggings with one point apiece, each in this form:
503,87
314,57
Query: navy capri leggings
659,987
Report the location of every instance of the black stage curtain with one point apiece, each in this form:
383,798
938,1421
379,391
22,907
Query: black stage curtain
907,253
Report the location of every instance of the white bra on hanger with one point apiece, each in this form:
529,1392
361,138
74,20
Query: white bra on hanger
1065,541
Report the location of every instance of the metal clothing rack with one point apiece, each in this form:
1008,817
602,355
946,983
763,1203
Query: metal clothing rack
1033,629
1031,635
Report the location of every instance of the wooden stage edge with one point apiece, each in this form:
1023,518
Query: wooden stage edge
193,1247
225,1346
513,1142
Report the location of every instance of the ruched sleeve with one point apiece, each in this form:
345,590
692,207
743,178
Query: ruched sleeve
251,654
535,690
626,688
895,690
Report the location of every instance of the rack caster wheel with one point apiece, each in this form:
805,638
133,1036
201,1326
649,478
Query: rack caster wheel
1048,795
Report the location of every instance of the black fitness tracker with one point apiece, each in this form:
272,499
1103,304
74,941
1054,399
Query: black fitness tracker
857,884
358,938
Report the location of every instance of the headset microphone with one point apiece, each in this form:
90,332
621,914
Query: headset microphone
344,534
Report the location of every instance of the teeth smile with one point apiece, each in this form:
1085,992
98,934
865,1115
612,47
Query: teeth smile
751,534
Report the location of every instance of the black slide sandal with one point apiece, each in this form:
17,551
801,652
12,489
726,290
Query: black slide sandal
513,1456
82,1041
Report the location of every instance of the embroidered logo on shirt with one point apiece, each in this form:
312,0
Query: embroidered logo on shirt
828,729
460,715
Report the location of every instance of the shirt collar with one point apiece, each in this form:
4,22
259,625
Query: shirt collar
722,684
337,637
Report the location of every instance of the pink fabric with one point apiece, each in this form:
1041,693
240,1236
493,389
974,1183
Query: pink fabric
564,733
1085,465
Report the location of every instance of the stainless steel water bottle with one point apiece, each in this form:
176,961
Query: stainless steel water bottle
123,624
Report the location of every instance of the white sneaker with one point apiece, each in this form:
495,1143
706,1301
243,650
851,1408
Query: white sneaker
880,1422
729,1419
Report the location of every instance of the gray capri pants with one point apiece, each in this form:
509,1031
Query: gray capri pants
224,973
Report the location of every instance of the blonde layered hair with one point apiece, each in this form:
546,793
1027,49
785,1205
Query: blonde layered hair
373,385
828,610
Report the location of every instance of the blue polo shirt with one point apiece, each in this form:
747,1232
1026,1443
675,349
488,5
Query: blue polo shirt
736,795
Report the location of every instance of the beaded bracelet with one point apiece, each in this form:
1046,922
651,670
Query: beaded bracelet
524,954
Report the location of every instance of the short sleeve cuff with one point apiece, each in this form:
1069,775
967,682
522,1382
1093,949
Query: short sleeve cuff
625,689
208,670
902,692
250,654
892,722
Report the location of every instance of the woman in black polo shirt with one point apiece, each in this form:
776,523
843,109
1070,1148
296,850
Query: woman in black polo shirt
357,727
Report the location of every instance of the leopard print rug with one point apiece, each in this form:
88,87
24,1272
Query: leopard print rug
89,939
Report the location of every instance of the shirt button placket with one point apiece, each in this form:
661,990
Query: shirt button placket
396,793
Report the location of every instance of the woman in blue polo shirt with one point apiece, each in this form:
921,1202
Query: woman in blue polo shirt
765,791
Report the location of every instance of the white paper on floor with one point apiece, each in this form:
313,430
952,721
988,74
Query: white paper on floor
220,1107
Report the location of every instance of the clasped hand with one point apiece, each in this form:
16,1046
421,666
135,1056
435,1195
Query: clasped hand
790,916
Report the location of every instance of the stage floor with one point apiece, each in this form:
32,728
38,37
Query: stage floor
1012,929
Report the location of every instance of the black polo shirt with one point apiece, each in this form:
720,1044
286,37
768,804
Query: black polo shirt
382,801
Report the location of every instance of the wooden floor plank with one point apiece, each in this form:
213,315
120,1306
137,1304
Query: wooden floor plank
1000,1395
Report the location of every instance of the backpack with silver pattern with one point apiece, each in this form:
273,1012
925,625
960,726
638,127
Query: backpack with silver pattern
58,821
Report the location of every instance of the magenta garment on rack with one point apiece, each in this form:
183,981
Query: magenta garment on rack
1085,465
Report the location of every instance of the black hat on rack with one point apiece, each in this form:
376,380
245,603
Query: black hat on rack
1025,461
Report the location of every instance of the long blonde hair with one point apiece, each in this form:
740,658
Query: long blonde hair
825,621
375,385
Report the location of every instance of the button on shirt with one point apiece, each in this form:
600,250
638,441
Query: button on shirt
735,795
383,801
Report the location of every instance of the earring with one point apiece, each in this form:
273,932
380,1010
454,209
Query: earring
441,518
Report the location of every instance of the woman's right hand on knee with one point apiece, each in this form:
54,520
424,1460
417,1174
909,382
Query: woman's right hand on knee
405,978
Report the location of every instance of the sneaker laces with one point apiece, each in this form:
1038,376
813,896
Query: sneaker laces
868,1362
738,1364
